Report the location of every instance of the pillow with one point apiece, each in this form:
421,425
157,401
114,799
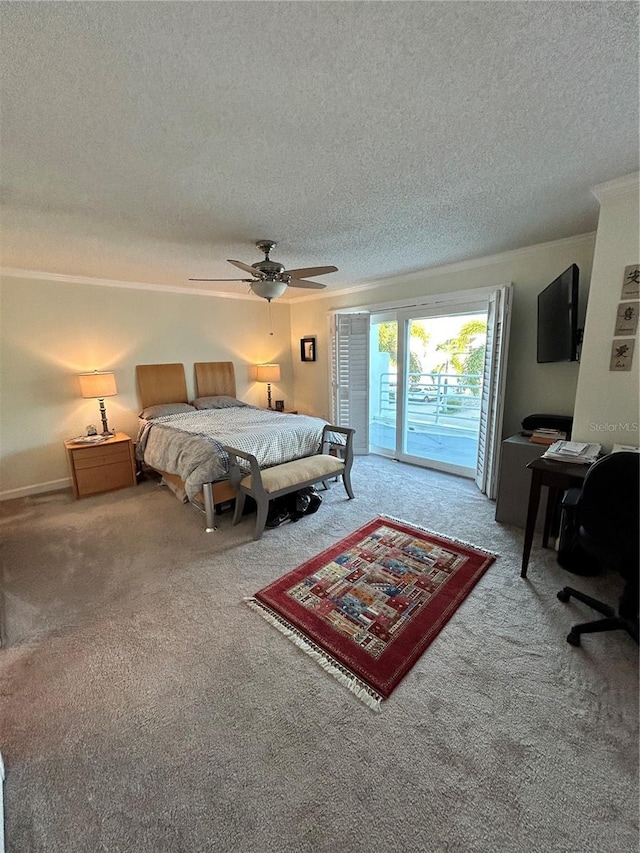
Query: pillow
165,409
220,401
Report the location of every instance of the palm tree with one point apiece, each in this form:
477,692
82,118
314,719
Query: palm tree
388,342
458,350
462,357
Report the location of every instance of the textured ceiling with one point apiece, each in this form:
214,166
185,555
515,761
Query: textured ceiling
149,142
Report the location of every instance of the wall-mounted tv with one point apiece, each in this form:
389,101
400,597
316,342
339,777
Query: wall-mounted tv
558,334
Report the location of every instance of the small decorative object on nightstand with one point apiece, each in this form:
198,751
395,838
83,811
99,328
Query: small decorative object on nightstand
280,408
102,467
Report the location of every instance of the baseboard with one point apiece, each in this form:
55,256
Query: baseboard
1,805
36,489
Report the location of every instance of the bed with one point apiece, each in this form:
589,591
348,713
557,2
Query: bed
183,440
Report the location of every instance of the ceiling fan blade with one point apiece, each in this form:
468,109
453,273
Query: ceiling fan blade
310,285
302,273
221,279
246,268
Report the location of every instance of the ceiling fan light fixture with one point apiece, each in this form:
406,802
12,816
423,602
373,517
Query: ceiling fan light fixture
268,289
270,278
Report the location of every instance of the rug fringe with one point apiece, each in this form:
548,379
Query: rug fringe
446,538
363,692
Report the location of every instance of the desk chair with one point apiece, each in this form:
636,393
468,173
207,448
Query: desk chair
608,531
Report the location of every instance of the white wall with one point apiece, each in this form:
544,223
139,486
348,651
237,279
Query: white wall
606,401
531,387
50,332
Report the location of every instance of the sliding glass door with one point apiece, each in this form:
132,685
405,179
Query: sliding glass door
425,387
442,390
425,383
383,384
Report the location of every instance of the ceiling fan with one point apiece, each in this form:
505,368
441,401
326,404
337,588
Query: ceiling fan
271,279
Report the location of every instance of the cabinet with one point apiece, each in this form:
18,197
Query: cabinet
101,467
515,481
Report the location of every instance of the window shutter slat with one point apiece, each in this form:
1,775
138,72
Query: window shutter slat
492,401
350,376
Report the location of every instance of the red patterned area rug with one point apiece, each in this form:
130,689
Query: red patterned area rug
368,607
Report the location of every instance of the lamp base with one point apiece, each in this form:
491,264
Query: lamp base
103,415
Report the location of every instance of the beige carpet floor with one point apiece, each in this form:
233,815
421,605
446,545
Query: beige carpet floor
146,709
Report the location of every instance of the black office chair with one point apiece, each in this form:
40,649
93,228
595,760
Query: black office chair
608,531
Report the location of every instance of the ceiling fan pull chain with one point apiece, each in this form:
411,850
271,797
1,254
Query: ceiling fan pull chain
270,321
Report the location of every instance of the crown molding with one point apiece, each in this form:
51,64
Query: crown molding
42,275
373,284
456,267
618,187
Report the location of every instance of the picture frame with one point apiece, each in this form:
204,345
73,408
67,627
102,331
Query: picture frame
631,282
307,349
626,319
621,354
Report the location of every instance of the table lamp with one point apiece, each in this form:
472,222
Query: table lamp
99,384
268,373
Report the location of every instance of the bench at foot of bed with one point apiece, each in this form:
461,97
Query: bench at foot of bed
269,483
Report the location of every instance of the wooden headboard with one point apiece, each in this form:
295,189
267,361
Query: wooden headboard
214,378
161,383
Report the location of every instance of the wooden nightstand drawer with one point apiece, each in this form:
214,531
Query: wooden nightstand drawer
94,457
105,478
101,467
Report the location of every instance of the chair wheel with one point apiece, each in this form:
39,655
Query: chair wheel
563,595
573,639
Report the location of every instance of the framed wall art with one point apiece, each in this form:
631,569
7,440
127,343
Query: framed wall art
631,282
307,349
626,318
621,354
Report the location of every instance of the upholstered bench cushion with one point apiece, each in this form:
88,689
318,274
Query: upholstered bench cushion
290,474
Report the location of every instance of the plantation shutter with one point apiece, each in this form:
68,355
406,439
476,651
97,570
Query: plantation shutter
350,376
493,385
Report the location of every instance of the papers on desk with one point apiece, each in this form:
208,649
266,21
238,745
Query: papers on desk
573,451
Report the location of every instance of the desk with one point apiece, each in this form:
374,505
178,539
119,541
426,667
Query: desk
557,477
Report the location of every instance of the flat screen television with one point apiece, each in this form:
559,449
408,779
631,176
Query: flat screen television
558,335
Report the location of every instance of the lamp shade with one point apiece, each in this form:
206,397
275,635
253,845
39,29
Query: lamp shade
98,384
268,372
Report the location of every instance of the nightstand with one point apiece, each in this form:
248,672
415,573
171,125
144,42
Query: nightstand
101,467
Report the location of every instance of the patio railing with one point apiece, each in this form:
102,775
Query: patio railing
446,399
